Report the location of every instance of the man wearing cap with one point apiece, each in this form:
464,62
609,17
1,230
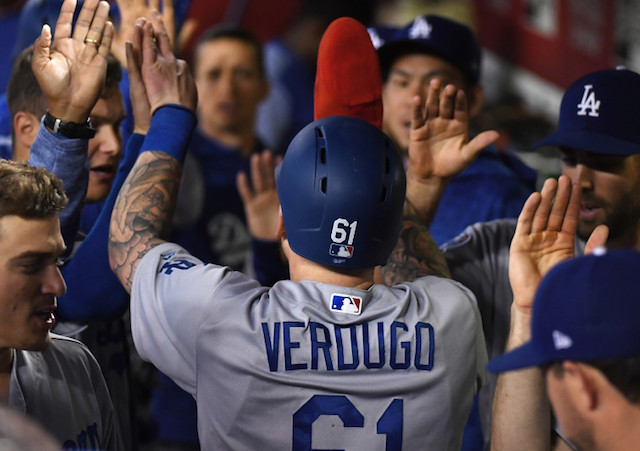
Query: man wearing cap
580,335
600,146
431,47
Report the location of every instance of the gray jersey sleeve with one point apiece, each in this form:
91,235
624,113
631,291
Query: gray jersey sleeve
174,311
479,259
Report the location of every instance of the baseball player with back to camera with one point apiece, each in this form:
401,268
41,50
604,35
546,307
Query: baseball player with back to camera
290,367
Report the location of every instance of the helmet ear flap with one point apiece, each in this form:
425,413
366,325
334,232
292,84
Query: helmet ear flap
341,187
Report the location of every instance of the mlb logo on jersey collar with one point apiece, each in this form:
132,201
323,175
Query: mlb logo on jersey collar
599,113
345,303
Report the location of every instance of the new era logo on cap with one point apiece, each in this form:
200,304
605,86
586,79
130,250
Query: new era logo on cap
560,340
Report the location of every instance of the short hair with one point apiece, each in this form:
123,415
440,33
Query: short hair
624,374
23,90
29,192
218,32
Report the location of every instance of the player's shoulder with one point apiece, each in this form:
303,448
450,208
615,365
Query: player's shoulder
442,291
482,235
68,348
62,354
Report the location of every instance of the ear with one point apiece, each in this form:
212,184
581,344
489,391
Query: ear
583,385
475,98
25,129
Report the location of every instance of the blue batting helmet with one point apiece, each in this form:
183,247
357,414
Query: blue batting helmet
342,186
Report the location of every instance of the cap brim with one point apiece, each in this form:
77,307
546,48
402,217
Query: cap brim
590,142
523,357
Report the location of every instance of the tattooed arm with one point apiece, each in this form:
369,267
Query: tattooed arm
142,214
415,254
144,208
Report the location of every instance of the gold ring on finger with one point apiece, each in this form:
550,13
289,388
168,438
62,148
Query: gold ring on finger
91,41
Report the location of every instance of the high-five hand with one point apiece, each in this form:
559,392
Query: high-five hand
71,68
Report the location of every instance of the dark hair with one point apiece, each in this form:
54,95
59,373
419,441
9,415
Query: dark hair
23,90
217,32
623,373
29,192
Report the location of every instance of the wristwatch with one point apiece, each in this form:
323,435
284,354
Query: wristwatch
69,129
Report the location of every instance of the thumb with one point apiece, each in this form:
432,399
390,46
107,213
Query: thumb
481,141
597,239
41,50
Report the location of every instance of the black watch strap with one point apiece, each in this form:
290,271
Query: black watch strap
69,129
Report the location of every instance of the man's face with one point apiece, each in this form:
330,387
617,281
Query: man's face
409,76
610,187
30,280
105,148
230,85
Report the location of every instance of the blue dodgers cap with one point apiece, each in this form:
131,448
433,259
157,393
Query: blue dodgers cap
585,309
380,34
600,113
436,35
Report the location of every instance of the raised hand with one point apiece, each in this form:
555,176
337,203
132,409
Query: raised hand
130,12
545,236
166,79
137,91
439,140
439,147
71,69
260,201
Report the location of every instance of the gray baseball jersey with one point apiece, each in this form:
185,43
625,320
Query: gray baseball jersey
479,259
107,342
307,365
62,388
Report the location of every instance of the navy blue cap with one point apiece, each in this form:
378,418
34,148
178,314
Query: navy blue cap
600,113
380,34
436,35
585,309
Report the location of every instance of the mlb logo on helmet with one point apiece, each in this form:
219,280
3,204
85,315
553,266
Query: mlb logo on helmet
341,250
346,304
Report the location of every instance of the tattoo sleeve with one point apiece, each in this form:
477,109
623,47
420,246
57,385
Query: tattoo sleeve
141,217
415,254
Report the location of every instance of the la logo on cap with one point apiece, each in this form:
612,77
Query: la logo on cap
589,102
420,29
